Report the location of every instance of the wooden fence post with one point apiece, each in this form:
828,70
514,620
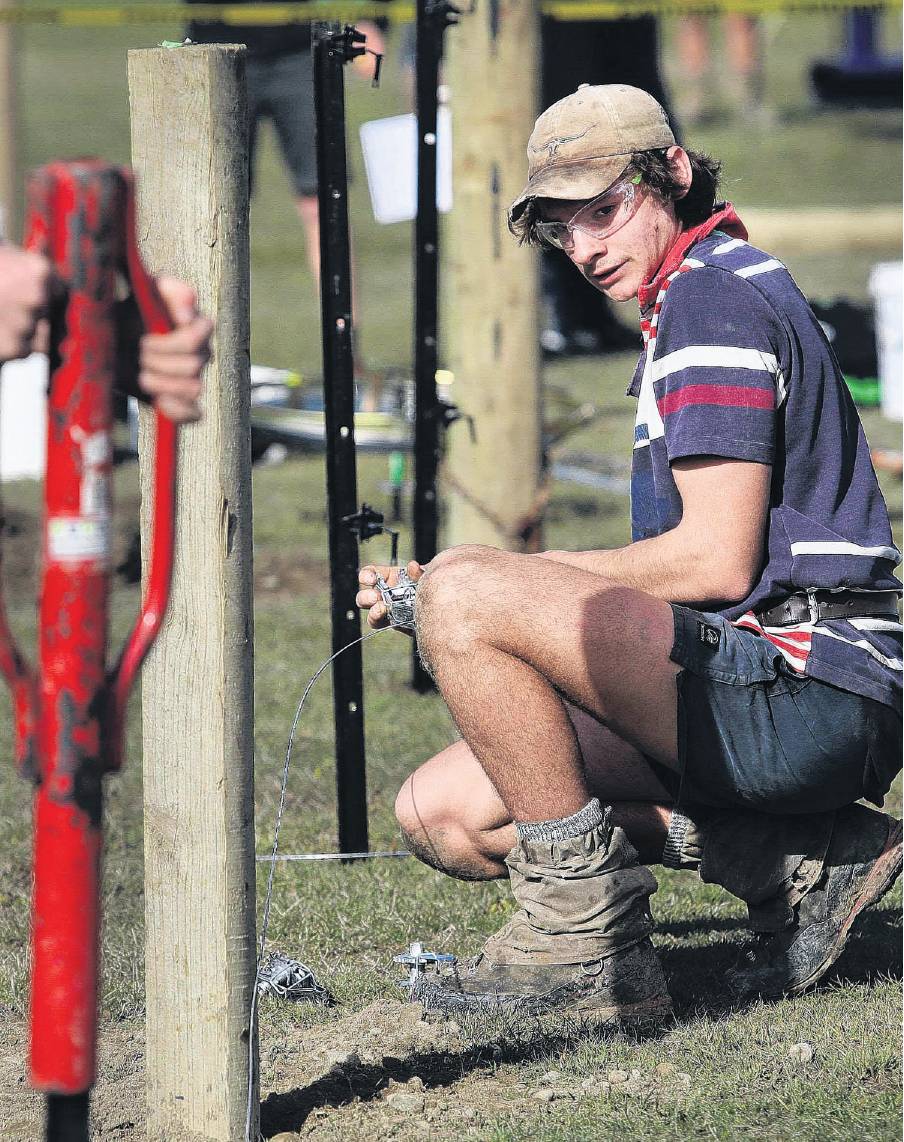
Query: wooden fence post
491,484
189,151
9,180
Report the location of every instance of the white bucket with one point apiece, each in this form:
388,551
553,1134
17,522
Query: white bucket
885,283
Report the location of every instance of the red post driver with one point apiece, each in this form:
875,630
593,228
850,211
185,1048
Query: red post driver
69,719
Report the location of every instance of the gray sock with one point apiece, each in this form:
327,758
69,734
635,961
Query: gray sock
581,822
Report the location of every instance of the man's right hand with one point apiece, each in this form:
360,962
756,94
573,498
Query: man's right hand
170,363
25,286
369,598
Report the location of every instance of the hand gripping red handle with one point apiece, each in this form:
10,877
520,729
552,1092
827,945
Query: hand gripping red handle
81,216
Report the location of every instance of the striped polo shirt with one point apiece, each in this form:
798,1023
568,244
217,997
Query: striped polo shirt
736,365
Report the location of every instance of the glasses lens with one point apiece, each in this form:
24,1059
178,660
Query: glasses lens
554,234
599,218
607,213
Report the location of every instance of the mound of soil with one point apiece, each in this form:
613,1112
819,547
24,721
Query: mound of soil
382,1072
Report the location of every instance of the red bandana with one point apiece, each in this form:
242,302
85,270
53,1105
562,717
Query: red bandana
725,219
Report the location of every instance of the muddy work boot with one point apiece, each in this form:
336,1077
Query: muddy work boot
862,862
578,944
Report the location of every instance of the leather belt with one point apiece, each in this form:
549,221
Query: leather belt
816,605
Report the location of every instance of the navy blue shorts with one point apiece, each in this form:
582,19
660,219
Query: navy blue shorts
754,733
281,89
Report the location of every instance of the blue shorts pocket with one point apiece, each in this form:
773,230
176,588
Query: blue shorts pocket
710,646
755,733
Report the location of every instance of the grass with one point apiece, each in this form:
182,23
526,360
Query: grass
348,922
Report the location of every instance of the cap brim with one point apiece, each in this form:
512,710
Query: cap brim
570,182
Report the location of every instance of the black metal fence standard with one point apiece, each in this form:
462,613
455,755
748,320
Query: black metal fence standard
332,47
433,17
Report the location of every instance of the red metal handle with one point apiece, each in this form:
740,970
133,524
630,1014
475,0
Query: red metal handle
156,596
150,618
81,217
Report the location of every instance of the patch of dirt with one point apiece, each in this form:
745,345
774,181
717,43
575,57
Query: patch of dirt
20,540
385,1072
117,1103
379,1073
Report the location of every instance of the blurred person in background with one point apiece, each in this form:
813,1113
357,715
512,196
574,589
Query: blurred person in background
279,75
743,64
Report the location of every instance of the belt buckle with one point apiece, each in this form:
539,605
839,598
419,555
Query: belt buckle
812,604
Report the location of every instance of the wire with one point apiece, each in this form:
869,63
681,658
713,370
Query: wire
333,856
252,1022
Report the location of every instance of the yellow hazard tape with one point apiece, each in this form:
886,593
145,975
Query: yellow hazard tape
91,16
397,11
615,9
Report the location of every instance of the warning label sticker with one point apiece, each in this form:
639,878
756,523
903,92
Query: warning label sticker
74,538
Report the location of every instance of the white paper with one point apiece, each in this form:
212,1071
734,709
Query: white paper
885,283
390,160
23,418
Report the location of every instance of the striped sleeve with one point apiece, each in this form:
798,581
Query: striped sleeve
717,370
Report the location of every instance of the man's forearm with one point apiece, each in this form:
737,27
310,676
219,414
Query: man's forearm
715,553
667,567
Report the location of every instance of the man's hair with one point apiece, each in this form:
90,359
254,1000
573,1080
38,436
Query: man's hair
653,167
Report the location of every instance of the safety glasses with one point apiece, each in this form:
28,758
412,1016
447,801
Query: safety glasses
599,218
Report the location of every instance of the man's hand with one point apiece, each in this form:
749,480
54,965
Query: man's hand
171,363
369,599
26,282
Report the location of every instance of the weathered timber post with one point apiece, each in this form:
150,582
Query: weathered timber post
189,150
9,212
492,481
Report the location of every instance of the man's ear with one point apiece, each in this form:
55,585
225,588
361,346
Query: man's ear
680,166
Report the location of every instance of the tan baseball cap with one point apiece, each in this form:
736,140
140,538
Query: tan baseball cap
581,144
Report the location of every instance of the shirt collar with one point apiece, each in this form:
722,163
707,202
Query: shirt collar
724,219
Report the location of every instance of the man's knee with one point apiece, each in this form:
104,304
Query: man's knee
449,575
443,837
430,829
442,614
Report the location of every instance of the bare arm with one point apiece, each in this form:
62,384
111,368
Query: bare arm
714,553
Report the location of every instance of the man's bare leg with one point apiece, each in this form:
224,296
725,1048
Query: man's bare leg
454,820
508,671
505,663
693,44
308,211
